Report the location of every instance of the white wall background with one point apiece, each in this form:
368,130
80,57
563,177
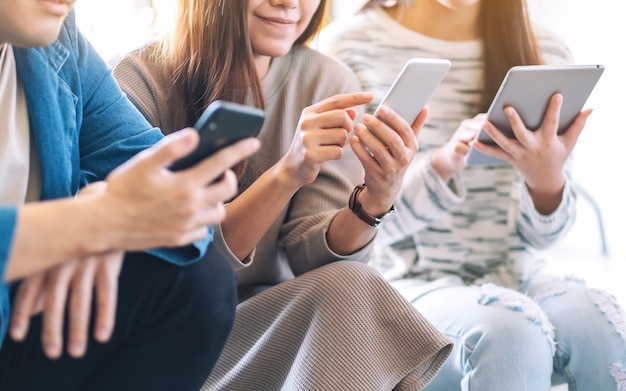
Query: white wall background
594,31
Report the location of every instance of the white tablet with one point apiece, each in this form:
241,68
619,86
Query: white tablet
528,89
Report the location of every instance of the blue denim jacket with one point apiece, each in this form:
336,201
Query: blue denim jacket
83,126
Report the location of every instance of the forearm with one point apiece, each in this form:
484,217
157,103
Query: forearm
250,215
52,232
548,197
347,233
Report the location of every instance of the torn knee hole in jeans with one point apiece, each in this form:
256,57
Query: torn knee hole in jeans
556,289
619,374
615,315
519,303
609,307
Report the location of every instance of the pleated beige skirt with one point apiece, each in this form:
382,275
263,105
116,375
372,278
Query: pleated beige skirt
339,327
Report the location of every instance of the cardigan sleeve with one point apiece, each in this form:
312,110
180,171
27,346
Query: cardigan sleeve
542,231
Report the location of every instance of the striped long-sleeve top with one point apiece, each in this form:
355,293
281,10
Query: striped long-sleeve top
482,225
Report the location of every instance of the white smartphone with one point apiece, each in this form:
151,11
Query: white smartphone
528,89
414,85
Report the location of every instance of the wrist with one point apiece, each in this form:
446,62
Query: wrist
440,167
371,204
282,176
546,186
286,175
105,229
372,216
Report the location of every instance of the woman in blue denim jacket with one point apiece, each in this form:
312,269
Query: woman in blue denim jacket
65,126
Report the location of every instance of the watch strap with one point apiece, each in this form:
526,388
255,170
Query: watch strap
357,209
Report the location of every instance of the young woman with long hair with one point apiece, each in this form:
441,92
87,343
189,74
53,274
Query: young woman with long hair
312,314
463,245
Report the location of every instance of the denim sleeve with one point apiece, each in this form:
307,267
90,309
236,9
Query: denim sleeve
8,220
111,128
8,217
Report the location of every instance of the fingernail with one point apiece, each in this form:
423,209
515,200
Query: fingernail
76,349
183,136
508,111
102,334
52,350
17,331
367,118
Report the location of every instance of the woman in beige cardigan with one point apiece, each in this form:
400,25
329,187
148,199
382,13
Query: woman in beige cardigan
312,314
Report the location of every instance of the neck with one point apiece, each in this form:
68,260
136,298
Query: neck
433,19
262,64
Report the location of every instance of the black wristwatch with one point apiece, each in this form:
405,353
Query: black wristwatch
357,209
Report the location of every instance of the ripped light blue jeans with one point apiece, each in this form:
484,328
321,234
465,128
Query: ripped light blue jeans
507,340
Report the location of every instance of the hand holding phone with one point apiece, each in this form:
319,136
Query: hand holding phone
221,124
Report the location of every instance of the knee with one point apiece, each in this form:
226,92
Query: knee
196,300
345,279
514,323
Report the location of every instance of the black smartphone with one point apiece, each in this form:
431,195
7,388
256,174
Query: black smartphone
222,123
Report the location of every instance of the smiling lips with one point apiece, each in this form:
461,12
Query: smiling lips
57,8
279,21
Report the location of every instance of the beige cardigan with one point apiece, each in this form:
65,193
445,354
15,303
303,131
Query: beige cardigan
296,242
337,325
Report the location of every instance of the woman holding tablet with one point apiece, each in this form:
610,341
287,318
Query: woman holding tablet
462,244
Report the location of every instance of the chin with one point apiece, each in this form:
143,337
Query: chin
274,50
44,37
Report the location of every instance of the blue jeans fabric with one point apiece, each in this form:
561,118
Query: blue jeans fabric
507,340
171,326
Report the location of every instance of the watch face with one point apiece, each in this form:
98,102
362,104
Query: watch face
386,216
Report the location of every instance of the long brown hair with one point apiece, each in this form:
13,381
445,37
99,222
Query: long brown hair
209,55
507,36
